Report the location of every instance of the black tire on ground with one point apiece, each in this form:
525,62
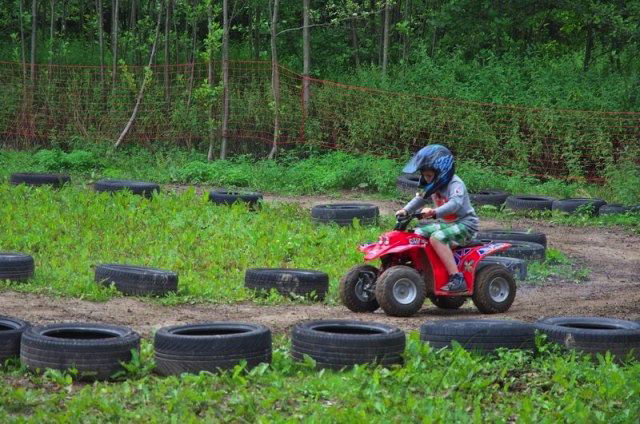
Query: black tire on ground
16,266
95,350
448,302
614,209
518,267
337,344
408,183
498,234
488,197
526,202
301,282
343,213
210,346
494,289
224,197
573,205
136,187
38,179
483,336
593,334
400,291
357,288
137,280
11,330
523,250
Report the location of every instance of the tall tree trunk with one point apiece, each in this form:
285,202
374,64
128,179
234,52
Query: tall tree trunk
306,53
255,33
133,23
225,78
275,81
373,31
53,18
192,60
406,40
133,19
381,36
385,37
210,63
210,80
114,41
194,28
354,42
22,47
433,40
142,86
101,41
588,48
166,53
34,26
176,42
63,18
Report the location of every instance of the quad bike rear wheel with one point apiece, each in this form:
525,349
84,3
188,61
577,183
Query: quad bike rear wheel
400,291
357,288
494,289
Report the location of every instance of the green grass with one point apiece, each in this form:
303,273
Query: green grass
71,230
449,385
556,267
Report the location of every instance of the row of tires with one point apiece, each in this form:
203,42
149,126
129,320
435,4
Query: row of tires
141,188
147,281
409,183
97,351
339,213
344,213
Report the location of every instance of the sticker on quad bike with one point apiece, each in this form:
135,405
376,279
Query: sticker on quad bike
473,255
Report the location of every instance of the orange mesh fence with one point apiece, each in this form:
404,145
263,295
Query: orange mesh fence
534,141
179,105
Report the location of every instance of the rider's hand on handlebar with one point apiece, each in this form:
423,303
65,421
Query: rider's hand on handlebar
428,213
401,213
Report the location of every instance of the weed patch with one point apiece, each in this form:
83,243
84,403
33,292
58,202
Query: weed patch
71,230
438,385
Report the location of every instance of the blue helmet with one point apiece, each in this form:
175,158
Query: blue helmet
438,158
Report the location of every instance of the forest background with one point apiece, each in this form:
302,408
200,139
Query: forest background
541,87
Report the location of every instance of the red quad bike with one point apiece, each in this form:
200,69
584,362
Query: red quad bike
411,270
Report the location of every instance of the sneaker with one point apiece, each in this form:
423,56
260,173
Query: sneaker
456,283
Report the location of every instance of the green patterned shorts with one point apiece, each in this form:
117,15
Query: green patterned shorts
447,233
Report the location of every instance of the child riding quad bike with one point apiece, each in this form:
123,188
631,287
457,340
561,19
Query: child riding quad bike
411,270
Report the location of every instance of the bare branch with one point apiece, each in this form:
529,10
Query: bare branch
144,80
360,16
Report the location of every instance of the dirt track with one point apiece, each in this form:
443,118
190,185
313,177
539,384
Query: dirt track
613,289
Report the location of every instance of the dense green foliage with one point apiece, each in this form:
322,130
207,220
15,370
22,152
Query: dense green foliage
569,55
344,33
432,386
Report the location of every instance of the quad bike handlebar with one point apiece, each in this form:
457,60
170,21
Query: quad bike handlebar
404,220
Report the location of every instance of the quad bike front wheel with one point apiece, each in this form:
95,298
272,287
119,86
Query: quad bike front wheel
400,291
494,289
357,288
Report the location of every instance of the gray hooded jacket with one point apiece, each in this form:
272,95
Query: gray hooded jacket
452,205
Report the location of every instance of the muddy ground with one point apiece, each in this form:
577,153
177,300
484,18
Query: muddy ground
612,289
